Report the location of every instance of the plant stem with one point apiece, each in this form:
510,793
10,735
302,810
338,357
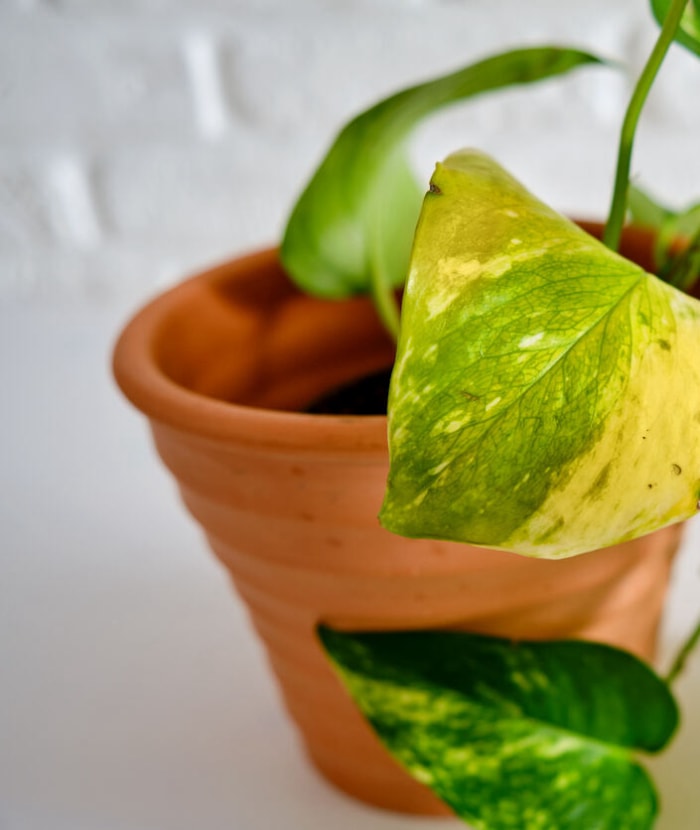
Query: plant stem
683,654
618,206
385,302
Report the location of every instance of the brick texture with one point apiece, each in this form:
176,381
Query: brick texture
141,139
65,85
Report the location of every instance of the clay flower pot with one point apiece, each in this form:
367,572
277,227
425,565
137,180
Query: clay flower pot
221,365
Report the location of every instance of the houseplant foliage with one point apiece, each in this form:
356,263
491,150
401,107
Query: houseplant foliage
529,410
572,356
670,225
689,28
530,407
352,228
513,735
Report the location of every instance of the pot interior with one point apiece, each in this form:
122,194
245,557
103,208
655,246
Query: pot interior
244,334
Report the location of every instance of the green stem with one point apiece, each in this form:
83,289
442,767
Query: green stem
385,302
618,207
683,654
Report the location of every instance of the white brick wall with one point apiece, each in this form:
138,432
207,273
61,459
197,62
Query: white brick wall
143,138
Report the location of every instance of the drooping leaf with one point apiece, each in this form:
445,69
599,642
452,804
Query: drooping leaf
353,225
546,392
513,735
689,32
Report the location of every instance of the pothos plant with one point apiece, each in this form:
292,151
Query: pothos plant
545,400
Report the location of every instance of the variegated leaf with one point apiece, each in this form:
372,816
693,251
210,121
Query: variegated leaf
513,735
546,393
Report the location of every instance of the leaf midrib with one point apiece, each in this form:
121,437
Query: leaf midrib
502,410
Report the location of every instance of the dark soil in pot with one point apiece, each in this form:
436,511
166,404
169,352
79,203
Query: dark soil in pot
366,396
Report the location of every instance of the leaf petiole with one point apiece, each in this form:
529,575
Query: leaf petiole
384,301
618,207
683,654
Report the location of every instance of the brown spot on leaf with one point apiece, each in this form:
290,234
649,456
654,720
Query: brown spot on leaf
677,470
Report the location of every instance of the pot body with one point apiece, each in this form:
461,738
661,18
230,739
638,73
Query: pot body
221,365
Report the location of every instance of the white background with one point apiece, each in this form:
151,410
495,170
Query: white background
139,140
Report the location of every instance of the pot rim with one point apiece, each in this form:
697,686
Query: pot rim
160,398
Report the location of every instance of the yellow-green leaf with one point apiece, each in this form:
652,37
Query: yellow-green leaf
546,393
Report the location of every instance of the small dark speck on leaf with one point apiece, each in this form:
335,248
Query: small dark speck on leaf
650,486
435,189
665,345
469,396
676,469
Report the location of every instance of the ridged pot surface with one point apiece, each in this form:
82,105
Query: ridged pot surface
221,365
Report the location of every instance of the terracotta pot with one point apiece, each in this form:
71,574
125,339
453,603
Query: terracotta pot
221,365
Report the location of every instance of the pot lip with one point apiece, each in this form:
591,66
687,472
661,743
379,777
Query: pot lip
164,401
167,403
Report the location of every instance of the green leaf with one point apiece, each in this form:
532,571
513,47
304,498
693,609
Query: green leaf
677,248
689,32
645,210
681,267
671,224
684,223
683,271
513,735
351,230
546,393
